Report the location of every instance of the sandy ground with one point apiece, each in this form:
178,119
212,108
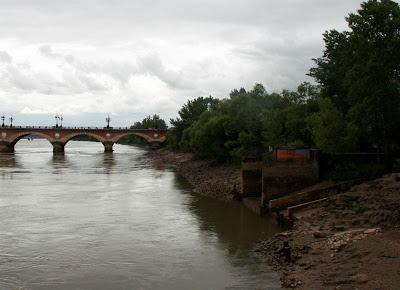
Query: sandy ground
207,178
350,241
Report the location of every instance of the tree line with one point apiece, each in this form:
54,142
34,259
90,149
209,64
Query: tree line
354,105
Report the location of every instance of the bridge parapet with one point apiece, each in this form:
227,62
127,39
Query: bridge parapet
60,136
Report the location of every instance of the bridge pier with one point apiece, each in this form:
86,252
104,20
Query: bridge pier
58,147
108,146
6,147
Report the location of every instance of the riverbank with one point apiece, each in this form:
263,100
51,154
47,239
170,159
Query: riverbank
208,178
350,241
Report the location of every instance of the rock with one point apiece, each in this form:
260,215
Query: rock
371,231
283,234
360,278
339,228
319,235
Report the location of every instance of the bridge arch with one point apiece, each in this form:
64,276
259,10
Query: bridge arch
108,146
137,134
69,137
21,135
9,146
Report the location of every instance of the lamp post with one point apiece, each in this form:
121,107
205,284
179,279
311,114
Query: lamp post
61,120
2,119
11,121
56,117
108,119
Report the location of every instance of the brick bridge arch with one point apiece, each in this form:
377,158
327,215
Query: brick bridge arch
59,137
19,136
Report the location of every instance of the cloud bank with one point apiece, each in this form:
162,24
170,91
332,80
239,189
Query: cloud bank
87,58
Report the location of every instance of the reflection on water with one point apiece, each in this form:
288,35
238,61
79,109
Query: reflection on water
8,160
89,220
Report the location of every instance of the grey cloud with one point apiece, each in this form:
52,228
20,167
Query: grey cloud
46,50
22,77
100,21
153,64
20,80
103,49
121,71
5,57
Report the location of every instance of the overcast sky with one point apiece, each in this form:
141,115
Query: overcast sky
130,58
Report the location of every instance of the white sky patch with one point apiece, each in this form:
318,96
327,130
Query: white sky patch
87,58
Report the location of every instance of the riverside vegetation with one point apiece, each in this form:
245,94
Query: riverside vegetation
353,106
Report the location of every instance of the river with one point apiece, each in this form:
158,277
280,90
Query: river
89,220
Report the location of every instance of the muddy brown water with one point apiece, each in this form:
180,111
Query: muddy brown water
89,220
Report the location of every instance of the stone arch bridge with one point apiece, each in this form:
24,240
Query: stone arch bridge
59,136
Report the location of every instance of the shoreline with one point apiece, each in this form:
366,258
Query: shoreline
207,178
336,244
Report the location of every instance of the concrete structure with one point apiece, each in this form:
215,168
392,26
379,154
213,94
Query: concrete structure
277,173
59,136
282,178
251,173
286,170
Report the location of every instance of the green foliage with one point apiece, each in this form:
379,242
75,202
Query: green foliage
188,114
360,73
250,119
150,122
331,132
355,107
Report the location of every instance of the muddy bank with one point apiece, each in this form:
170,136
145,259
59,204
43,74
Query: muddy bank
216,180
350,241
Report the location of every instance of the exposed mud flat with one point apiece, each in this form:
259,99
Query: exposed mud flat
350,241
221,181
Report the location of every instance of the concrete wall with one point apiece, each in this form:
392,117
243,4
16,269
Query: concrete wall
286,170
283,170
251,178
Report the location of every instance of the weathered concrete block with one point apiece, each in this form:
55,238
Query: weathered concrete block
286,170
251,179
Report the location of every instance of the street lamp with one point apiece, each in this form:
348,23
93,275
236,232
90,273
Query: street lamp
11,121
61,120
2,119
56,117
108,119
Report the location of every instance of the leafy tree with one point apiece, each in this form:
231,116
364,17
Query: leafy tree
150,122
360,72
251,119
355,107
188,114
330,129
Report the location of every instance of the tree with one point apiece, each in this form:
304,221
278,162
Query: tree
360,73
150,122
188,114
252,119
331,132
